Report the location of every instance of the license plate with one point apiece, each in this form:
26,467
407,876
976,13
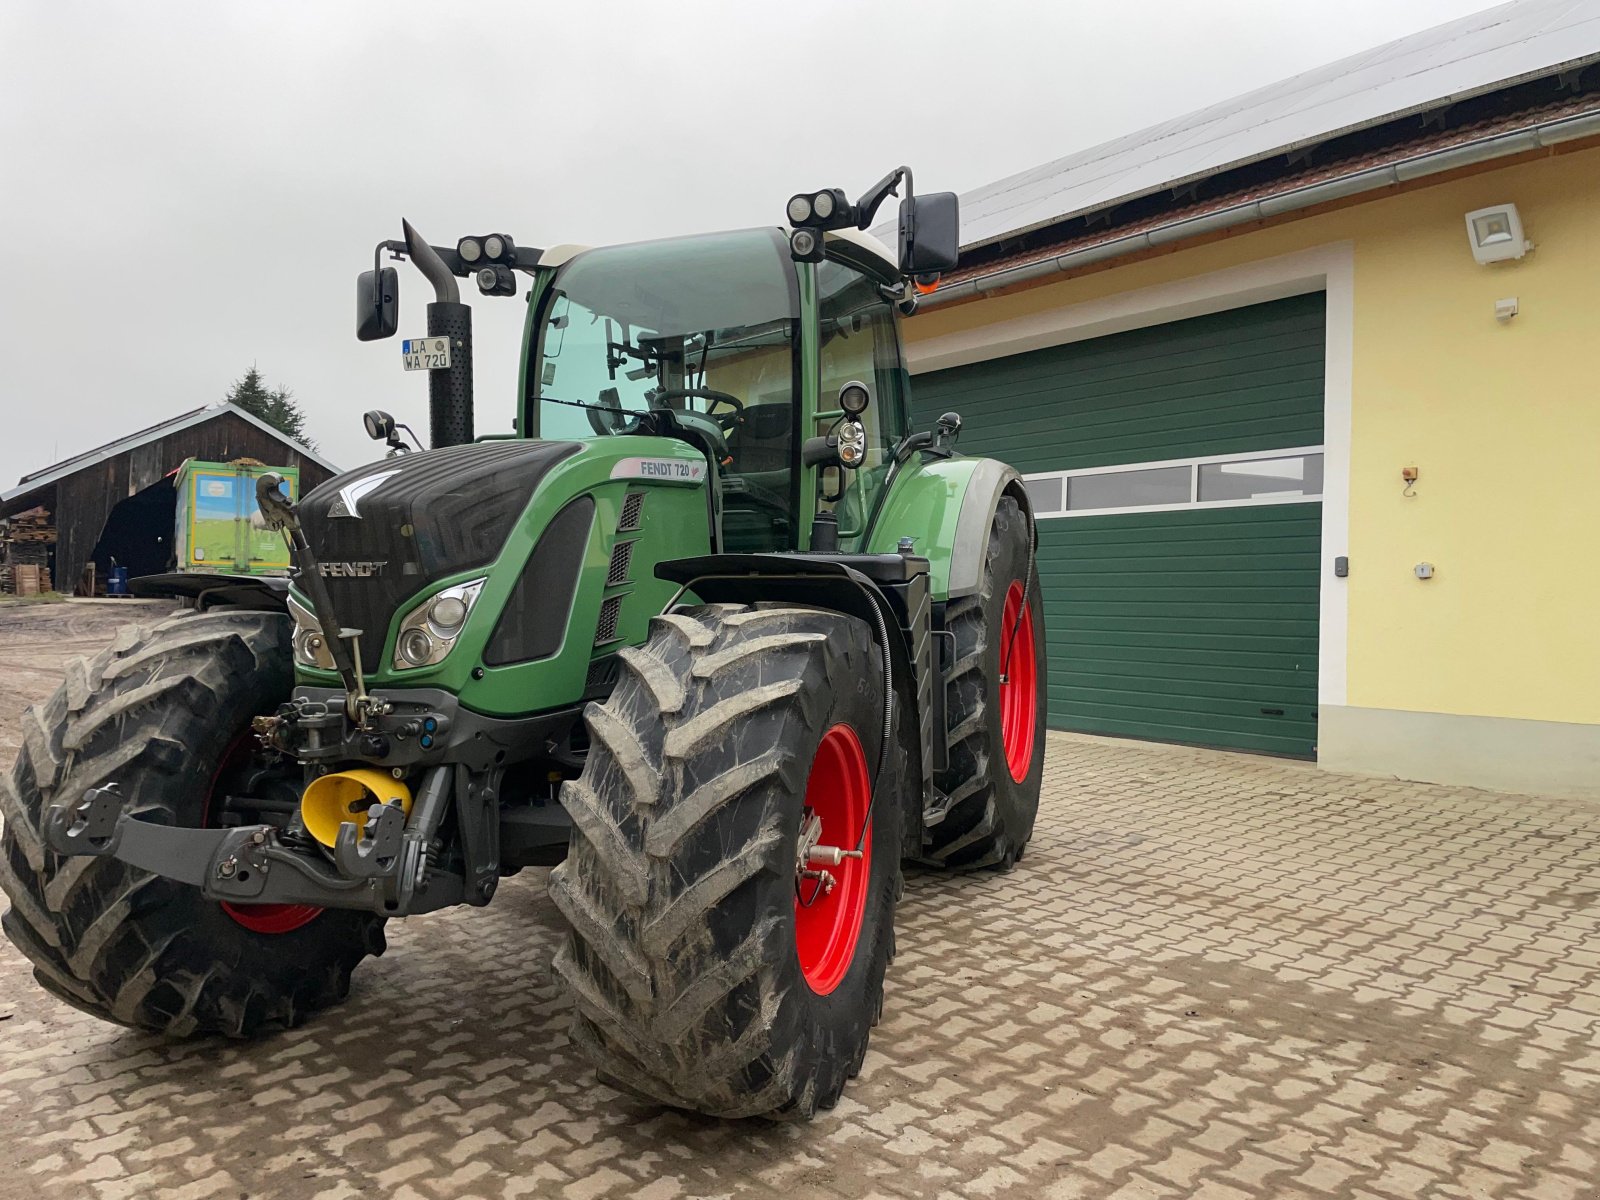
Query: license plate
425,354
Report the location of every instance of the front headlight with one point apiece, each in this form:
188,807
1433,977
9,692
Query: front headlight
430,630
310,647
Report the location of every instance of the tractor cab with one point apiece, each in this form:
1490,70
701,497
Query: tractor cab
726,342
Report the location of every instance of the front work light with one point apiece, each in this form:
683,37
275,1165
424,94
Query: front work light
805,245
827,209
470,250
854,397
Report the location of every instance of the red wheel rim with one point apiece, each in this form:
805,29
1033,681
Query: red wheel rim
257,918
1019,689
827,926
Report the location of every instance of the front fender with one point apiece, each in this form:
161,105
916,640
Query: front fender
266,593
947,506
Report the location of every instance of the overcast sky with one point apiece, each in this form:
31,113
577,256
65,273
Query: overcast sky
187,189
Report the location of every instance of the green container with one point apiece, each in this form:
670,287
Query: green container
214,533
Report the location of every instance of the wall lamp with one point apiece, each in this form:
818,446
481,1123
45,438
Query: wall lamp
1496,234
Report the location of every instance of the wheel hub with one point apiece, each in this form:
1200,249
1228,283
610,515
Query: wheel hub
831,879
257,918
1019,683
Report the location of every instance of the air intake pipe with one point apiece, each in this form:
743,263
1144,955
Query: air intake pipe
449,388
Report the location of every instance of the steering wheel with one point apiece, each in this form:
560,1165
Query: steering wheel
727,420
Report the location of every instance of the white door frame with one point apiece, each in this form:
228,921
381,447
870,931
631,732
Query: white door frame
1329,268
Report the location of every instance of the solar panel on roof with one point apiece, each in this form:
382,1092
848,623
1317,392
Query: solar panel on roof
1475,54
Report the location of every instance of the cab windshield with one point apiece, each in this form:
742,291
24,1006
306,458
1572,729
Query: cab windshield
705,324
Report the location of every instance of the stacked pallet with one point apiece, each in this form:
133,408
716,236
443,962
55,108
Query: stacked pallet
25,579
25,544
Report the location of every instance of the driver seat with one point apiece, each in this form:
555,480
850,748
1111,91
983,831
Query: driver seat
761,441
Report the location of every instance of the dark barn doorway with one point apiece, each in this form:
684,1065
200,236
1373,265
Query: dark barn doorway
138,533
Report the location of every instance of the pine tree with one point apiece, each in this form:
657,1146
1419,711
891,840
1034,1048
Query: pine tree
275,406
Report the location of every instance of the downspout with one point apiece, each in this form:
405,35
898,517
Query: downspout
1501,145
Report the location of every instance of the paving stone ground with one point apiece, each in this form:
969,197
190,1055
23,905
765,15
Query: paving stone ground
1213,976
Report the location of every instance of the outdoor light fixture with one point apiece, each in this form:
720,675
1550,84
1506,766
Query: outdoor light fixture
1496,234
854,398
827,209
496,281
805,245
852,443
487,248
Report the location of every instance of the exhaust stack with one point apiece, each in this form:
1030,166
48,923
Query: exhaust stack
449,388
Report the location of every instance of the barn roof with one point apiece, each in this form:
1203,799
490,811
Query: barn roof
198,416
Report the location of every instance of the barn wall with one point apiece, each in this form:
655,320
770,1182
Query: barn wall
85,499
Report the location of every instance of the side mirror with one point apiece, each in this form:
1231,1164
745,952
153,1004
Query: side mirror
930,233
377,304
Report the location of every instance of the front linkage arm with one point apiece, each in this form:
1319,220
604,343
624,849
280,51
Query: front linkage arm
384,869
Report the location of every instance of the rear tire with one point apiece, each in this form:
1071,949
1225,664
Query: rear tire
683,960
993,796
158,713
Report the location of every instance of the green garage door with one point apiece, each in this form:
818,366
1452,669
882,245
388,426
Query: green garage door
1177,473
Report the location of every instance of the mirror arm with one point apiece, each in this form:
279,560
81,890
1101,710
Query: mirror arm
867,206
820,451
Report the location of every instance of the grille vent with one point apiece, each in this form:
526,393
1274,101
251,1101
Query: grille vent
602,674
621,559
606,630
632,507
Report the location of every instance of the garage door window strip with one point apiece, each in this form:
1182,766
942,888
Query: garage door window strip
1213,481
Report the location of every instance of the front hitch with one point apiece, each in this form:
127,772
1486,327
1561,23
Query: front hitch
385,870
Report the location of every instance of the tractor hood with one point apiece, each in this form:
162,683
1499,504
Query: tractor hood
384,531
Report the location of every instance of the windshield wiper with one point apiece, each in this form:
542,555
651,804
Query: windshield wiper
631,412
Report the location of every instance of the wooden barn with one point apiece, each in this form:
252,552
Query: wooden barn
118,500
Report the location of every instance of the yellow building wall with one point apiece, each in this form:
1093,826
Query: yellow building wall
1501,420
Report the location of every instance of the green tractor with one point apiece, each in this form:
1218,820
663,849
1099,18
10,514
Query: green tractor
715,633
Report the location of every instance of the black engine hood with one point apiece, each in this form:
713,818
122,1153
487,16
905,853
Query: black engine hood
383,531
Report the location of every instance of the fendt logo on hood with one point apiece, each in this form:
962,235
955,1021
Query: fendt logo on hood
351,570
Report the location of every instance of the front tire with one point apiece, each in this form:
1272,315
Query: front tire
162,713
995,708
705,975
